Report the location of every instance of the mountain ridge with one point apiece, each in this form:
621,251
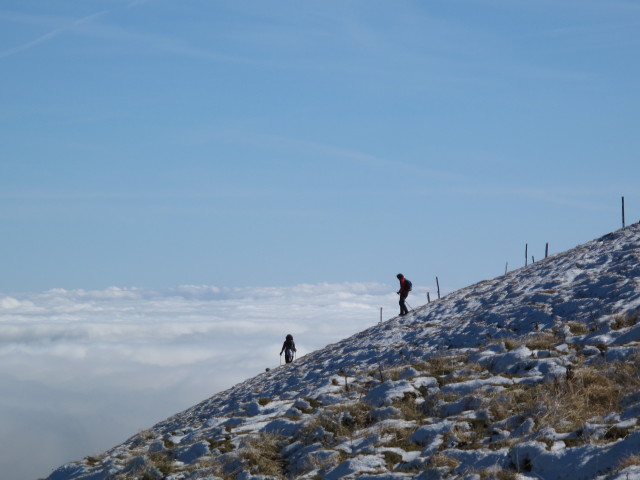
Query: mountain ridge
410,397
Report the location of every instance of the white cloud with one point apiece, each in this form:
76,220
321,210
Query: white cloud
9,303
136,356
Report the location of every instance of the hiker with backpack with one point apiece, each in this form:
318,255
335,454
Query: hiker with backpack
405,288
289,348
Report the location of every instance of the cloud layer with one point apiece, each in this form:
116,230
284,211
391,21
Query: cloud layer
83,370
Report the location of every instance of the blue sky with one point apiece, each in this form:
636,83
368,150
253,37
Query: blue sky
159,143
312,148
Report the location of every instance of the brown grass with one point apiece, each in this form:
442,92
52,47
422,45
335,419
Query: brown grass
506,475
541,341
322,464
261,454
421,366
391,459
222,445
512,343
578,328
446,365
630,461
399,438
625,320
501,405
162,461
442,460
409,409
566,405
341,420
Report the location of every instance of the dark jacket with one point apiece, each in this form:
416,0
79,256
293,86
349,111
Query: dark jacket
288,344
404,287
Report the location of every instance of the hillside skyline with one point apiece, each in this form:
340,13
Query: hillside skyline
442,382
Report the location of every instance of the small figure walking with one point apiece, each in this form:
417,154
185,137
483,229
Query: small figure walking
288,347
405,288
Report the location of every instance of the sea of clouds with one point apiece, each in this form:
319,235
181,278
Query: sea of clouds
81,371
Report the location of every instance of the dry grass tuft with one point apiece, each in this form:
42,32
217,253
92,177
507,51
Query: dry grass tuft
441,460
409,409
630,461
512,343
541,341
566,405
322,464
341,420
394,437
391,459
261,453
625,320
162,461
501,405
578,328
446,365
222,445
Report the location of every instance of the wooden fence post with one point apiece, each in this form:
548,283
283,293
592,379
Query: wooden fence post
438,285
623,225
546,250
526,254
428,298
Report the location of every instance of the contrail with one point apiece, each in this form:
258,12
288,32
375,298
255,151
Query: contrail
48,36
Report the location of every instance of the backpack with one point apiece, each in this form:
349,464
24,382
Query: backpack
408,284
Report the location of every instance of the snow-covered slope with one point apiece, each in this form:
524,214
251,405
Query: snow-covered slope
534,374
